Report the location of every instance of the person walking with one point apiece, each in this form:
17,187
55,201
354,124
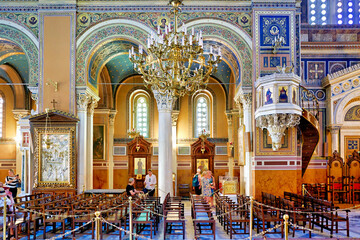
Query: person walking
11,181
150,182
197,182
207,186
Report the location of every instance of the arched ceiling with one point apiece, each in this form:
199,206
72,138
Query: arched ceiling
13,55
114,56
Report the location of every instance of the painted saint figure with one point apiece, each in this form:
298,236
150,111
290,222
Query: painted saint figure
140,166
283,98
269,99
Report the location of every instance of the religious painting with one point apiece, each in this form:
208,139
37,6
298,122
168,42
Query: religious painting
55,158
25,139
139,166
294,95
283,94
99,142
163,21
269,95
353,114
258,100
202,164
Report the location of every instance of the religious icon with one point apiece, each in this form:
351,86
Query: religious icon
139,166
98,142
268,98
294,95
163,22
202,164
283,97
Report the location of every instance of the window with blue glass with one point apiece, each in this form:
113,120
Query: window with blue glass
341,12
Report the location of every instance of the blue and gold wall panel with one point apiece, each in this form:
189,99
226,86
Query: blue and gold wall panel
268,25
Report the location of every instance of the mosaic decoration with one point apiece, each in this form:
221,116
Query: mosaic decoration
316,71
351,144
320,94
275,61
27,20
28,47
96,38
353,114
336,66
345,86
273,26
153,19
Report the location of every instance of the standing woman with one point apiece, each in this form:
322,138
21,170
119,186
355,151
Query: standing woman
11,181
207,185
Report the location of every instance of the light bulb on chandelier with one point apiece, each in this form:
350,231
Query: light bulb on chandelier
175,61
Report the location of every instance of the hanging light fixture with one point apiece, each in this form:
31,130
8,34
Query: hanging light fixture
175,62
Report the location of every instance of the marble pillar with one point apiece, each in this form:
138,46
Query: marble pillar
82,101
335,133
90,142
229,117
111,148
165,103
174,118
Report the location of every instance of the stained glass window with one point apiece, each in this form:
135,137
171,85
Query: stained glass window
142,116
201,116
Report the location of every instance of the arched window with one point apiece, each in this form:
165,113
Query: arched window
140,112
202,114
2,115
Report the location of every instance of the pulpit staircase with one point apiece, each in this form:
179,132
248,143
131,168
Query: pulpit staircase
309,125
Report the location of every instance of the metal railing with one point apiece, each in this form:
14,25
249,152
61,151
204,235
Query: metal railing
309,102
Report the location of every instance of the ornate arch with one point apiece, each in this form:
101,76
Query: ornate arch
101,33
18,89
234,38
27,41
341,106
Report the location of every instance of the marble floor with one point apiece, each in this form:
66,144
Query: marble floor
221,234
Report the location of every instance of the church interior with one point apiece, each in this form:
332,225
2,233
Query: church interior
84,107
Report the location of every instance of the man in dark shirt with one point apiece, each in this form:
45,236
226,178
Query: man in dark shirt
130,190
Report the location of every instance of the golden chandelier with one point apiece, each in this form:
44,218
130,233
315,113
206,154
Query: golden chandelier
175,62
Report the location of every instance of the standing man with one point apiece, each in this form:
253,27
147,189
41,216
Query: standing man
150,182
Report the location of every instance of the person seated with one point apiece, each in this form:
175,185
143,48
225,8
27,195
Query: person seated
130,189
6,196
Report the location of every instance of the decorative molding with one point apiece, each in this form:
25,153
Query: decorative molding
112,116
20,113
174,117
276,125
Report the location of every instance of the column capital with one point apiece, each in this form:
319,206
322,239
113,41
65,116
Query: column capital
165,101
20,113
244,99
82,101
229,117
92,105
333,129
174,117
112,116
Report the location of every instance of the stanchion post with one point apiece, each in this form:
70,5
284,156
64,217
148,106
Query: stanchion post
130,218
286,218
97,225
251,216
303,189
83,188
4,221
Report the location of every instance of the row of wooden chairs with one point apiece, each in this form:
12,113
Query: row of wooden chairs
322,213
202,216
174,216
233,216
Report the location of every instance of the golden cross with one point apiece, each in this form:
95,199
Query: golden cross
316,71
54,102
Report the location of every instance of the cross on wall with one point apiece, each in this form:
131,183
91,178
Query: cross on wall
316,71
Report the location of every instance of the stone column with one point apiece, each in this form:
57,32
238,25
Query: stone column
111,148
229,117
18,115
246,100
90,140
174,118
335,133
82,101
165,104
